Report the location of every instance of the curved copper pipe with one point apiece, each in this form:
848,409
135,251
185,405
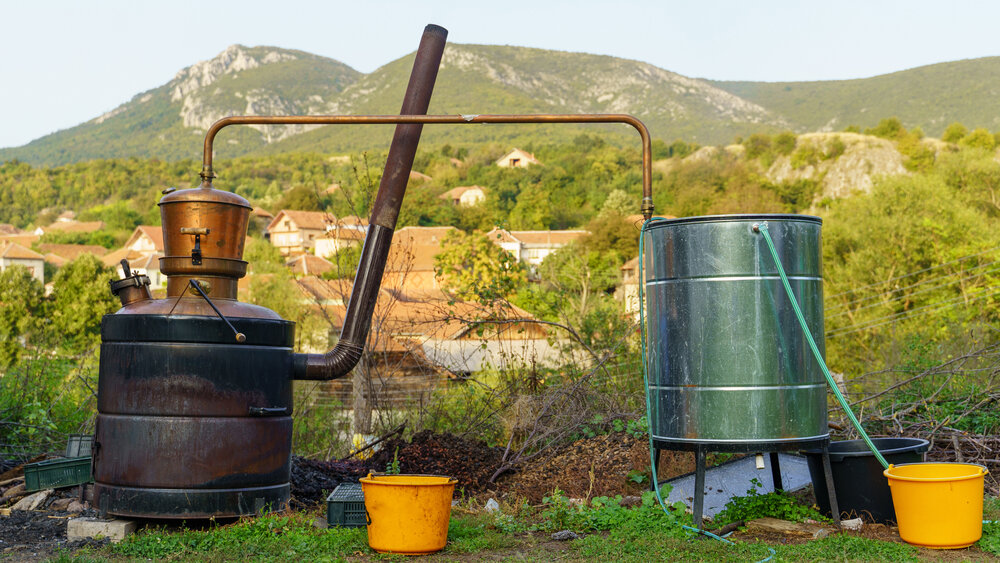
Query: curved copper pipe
647,154
339,361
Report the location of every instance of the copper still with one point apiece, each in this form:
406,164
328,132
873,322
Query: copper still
195,390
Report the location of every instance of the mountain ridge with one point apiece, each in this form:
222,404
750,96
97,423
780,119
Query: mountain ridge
168,121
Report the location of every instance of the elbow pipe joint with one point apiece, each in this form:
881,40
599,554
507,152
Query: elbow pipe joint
333,365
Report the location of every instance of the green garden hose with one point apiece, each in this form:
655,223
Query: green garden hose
645,379
762,229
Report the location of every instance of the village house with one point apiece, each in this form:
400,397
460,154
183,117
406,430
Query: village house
337,239
143,251
308,265
628,291
59,255
531,247
260,218
12,254
24,239
517,159
342,233
295,232
70,252
465,196
411,257
420,337
70,226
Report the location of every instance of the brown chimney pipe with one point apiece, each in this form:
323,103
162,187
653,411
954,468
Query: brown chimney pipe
357,321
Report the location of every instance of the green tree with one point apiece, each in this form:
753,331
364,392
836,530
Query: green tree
908,230
611,233
784,142
20,312
80,297
889,128
301,198
954,133
979,139
475,269
117,216
533,210
619,203
264,257
757,145
279,292
581,275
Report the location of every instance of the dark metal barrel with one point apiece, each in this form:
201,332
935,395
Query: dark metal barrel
191,424
727,361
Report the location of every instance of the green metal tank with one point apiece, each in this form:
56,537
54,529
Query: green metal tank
728,364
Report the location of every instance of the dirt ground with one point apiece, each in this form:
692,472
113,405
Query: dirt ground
603,465
39,534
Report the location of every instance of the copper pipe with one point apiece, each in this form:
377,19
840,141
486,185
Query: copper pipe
357,320
647,154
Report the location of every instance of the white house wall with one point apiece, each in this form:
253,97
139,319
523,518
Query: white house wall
469,356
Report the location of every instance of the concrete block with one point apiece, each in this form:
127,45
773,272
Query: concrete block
83,528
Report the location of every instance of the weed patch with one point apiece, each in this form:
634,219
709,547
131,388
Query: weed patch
773,505
990,541
284,536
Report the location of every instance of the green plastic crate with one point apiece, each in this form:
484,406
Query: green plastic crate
57,473
346,506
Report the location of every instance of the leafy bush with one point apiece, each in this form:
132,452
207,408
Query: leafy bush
889,128
784,142
757,505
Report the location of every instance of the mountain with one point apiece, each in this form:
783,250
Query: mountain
930,97
168,122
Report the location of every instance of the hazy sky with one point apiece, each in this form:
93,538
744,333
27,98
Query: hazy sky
65,62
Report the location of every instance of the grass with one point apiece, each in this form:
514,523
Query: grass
609,532
659,546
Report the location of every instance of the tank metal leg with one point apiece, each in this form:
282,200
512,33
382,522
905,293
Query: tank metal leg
828,475
699,487
776,473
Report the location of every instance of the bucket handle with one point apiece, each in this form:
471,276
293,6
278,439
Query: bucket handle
368,517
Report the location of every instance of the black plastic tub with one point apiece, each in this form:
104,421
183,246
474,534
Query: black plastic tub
861,488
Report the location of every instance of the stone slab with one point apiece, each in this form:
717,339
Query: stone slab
83,528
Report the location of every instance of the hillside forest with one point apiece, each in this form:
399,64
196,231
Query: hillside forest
910,259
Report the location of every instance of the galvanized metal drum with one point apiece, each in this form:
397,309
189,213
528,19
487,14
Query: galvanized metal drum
727,361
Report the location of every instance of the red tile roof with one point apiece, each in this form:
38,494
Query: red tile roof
74,227
151,232
414,248
309,265
23,239
14,250
457,192
71,251
313,220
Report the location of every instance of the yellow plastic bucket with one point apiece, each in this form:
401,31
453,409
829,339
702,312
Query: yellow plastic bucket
408,514
938,505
